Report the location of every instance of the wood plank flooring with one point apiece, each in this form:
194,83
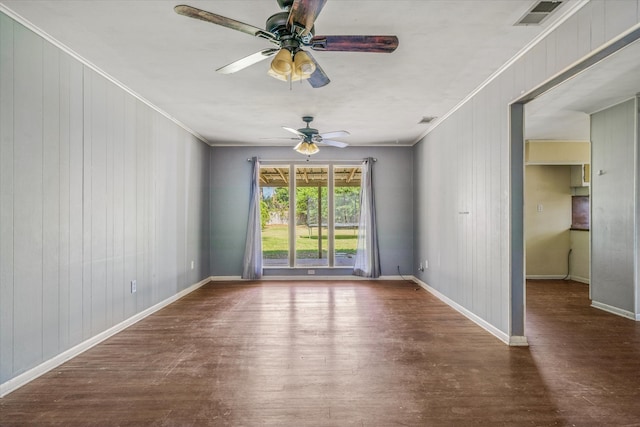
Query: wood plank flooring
363,353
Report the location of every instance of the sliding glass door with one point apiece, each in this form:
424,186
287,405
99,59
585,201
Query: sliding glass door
274,212
309,215
346,199
312,216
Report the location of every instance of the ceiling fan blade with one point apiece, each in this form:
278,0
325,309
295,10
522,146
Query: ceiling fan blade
333,143
377,44
304,13
193,12
335,134
318,78
297,132
247,61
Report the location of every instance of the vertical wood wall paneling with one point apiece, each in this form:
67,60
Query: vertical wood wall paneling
598,27
130,205
76,204
492,226
140,170
111,133
28,198
51,202
87,209
78,209
6,198
191,214
453,166
567,41
183,162
584,31
481,196
637,205
550,43
612,247
467,286
619,16
159,138
149,201
118,282
538,61
505,94
98,106
168,180
600,20
64,202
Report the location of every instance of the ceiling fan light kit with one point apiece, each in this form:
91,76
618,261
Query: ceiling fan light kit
306,148
284,67
310,137
282,63
291,30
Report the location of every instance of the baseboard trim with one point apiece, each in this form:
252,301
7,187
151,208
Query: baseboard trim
509,340
557,277
306,277
518,341
584,280
310,277
33,373
615,310
226,278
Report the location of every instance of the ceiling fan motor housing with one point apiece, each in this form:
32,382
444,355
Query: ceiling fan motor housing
309,132
277,25
285,4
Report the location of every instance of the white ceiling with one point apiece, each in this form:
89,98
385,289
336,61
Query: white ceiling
563,113
446,49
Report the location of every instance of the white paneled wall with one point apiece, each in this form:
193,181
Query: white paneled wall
96,189
463,165
614,149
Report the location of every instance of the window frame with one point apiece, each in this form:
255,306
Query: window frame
293,165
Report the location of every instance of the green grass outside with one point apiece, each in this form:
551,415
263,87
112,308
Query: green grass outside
275,241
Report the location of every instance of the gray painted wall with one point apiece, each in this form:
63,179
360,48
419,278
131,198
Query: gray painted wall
613,205
96,189
230,175
463,165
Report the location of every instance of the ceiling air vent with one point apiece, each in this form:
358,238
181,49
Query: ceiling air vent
539,12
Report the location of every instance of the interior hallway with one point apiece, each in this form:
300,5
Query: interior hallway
366,353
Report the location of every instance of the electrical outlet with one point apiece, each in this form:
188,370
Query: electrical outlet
311,272
426,264
193,264
134,286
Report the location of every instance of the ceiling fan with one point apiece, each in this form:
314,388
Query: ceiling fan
289,31
309,137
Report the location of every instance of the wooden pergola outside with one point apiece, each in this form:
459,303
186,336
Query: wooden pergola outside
313,176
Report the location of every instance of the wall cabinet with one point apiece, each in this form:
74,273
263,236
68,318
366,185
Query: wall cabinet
580,175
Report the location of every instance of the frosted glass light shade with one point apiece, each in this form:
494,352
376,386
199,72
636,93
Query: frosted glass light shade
306,148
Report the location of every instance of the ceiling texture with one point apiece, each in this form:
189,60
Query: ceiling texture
563,113
446,50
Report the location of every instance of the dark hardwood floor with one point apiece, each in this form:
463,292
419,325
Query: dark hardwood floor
361,353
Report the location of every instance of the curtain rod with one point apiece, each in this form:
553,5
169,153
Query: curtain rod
317,161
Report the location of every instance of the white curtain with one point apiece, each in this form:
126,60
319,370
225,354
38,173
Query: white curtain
252,265
367,261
